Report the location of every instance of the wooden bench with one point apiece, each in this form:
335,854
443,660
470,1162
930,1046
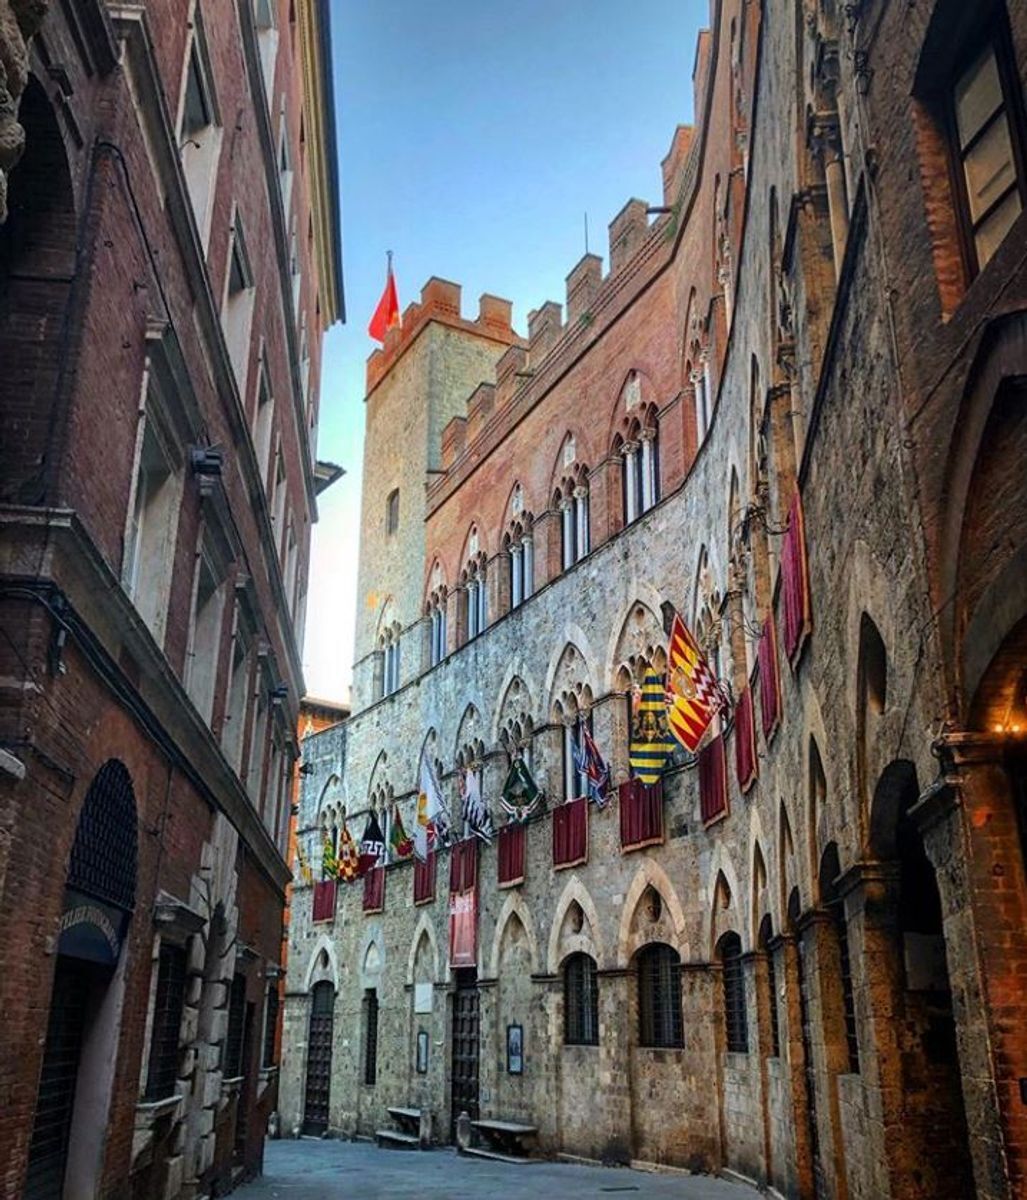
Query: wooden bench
505,1139
407,1134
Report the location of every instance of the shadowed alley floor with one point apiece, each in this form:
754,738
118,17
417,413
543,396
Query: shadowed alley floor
311,1169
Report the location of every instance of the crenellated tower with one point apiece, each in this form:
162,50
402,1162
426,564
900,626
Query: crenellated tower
416,383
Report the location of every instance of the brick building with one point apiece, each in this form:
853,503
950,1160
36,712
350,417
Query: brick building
169,263
793,410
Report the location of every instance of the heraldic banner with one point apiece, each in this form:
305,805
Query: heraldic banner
463,928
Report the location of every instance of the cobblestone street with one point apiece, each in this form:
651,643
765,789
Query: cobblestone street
323,1170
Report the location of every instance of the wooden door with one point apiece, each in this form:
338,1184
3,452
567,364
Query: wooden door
48,1150
319,1059
465,1048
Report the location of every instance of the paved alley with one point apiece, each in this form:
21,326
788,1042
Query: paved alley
325,1170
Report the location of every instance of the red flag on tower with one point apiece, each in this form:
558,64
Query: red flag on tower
387,313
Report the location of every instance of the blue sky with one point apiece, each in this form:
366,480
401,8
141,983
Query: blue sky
473,138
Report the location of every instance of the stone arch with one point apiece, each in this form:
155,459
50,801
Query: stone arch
640,642
574,892
723,875
470,730
987,609
323,950
760,892
561,467
371,956
650,874
513,907
636,389
379,774
423,929
787,866
642,594
515,699
565,670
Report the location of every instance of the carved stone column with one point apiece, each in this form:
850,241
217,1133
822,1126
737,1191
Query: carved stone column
19,21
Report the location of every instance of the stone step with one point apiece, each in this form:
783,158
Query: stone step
408,1114
396,1139
497,1156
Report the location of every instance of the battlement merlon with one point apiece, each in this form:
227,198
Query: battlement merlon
673,164
440,302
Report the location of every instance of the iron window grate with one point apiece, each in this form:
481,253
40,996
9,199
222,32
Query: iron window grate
167,1022
775,1027
659,998
103,858
233,1039
734,994
271,1025
581,1001
371,1042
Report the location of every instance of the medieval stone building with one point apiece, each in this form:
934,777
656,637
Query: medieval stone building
168,265
792,410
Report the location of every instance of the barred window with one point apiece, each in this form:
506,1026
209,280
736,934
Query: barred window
580,1001
371,1040
233,1064
167,1020
848,998
270,1024
659,997
730,949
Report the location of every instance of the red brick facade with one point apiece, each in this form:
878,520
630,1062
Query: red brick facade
139,462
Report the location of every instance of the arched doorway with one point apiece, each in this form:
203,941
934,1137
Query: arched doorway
319,1058
936,1162
80,1052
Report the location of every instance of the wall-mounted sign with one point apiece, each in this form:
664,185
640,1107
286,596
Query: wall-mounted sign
422,1052
90,929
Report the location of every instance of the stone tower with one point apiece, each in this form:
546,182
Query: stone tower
415,384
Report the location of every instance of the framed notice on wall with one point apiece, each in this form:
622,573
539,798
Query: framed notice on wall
422,1052
515,1050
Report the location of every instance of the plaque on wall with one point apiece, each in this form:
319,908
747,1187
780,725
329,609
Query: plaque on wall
422,997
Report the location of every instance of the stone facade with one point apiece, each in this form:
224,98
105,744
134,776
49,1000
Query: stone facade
812,315
160,345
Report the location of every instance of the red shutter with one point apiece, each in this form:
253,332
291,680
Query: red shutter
511,854
745,740
770,679
374,890
424,879
641,814
570,833
795,582
324,900
463,866
713,780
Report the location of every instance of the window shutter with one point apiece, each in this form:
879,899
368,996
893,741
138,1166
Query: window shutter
510,854
570,833
745,740
712,780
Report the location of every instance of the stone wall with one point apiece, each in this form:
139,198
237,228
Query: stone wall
779,263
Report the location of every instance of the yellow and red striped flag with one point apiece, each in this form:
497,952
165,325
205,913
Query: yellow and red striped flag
694,694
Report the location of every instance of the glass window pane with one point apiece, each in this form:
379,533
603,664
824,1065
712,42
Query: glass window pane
197,111
978,93
991,232
989,168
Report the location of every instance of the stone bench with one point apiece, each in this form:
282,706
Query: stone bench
505,1139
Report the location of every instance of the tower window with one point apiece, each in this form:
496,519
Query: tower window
985,144
392,511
